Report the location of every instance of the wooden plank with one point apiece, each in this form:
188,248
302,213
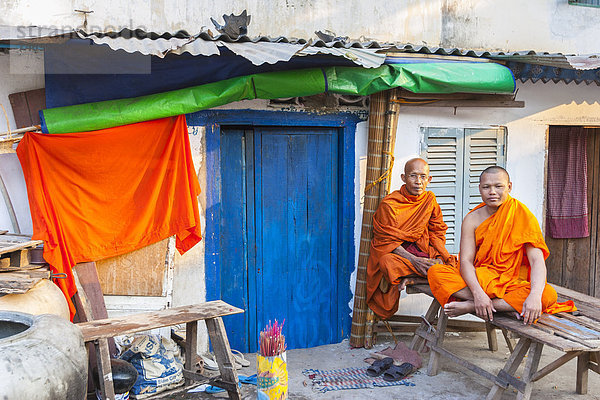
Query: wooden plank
555,261
120,275
16,284
36,101
110,327
453,323
581,320
568,327
577,297
20,109
535,333
11,242
88,282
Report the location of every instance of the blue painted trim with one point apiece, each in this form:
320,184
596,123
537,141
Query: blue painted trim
346,122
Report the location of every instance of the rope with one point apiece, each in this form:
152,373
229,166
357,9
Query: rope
383,176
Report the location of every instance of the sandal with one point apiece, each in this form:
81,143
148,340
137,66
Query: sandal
396,373
239,358
209,362
251,380
379,366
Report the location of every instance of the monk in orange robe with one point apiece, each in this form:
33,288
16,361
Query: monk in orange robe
502,259
409,236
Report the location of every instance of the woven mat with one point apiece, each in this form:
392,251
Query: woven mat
348,378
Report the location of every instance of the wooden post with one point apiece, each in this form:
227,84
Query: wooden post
510,367
581,384
223,356
191,347
491,336
533,361
440,331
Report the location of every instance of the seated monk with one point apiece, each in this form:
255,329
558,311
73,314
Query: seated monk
408,238
502,259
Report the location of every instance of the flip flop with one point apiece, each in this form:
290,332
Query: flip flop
239,358
396,373
379,366
215,389
209,362
251,380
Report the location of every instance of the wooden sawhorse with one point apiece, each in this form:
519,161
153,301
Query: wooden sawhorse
532,340
99,331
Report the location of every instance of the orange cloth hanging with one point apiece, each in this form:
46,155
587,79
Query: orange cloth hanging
401,218
95,195
501,264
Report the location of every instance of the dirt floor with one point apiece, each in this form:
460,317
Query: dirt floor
453,382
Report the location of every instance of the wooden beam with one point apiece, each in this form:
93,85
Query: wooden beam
555,364
467,103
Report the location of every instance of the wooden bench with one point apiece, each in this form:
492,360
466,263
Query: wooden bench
577,335
99,331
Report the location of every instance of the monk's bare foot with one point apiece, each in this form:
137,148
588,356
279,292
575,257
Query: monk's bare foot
402,284
456,308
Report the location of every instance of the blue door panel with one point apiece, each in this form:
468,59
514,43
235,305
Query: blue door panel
279,233
232,235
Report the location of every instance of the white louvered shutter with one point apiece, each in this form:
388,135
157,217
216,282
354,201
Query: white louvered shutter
483,148
443,150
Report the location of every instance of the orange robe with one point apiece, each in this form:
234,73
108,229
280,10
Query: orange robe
501,262
94,195
402,218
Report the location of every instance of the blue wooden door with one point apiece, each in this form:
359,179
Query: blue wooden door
280,222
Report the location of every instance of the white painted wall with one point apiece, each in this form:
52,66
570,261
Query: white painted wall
544,25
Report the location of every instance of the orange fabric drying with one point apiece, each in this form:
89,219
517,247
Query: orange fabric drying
501,262
401,218
99,194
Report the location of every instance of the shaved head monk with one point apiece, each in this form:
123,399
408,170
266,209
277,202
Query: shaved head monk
502,259
409,236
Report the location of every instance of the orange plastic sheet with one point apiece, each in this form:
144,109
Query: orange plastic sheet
99,194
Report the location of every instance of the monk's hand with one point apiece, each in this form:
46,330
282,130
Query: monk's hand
423,264
484,308
532,309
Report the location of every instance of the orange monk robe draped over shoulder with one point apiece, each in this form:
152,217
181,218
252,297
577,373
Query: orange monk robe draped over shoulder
94,195
501,262
401,218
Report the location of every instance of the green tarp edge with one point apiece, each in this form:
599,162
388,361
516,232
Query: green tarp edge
451,77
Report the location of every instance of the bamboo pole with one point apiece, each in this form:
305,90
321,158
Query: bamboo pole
377,111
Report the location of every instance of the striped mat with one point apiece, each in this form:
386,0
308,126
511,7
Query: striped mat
348,378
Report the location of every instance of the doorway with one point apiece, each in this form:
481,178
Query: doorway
280,218
575,263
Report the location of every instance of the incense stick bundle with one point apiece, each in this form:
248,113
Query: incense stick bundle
271,340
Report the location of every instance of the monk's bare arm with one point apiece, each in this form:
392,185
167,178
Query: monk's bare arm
532,306
421,264
484,307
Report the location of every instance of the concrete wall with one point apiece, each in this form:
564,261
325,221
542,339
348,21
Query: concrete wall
544,25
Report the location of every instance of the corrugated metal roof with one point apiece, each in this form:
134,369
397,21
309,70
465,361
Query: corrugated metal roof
265,49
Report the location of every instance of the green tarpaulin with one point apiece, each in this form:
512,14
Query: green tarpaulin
438,77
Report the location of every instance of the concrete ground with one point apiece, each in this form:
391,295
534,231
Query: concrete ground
453,382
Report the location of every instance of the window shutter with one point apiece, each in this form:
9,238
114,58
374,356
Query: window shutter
483,148
443,150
